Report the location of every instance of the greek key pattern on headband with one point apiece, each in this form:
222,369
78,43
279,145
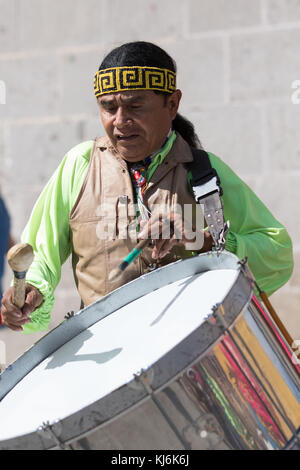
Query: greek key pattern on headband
134,78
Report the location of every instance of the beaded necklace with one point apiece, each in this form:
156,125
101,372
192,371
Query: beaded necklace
138,173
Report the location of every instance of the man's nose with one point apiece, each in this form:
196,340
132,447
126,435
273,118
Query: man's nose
122,118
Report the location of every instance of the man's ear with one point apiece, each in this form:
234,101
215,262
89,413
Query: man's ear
173,103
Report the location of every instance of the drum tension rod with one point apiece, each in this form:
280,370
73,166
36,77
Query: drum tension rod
220,321
143,378
245,269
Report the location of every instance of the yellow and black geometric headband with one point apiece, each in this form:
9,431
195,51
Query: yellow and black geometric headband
118,79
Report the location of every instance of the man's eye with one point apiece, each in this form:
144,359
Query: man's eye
109,109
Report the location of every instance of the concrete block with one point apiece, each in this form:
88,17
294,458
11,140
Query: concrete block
65,301
2,156
17,343
295,279
32,86
8,26
67,298
283,123
92,128
37,150
78,72
280,193
279,11
20,200
143,21
200,71
210,15
4,161
286,304
48,24
264,65
234,134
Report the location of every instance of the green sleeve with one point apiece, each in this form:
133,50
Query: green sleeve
48,230
254,232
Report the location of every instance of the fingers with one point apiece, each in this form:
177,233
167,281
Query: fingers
166,232
8,308
33,300
151,228
163,247
12,316
170,229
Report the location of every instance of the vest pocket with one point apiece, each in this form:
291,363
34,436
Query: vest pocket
125,219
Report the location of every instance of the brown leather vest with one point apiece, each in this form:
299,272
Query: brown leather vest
105,209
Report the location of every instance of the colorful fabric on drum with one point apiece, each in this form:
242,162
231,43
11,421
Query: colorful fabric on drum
117,79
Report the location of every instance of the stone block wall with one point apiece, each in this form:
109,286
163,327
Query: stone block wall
237,62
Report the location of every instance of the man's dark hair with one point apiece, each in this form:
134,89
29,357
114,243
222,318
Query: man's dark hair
147,54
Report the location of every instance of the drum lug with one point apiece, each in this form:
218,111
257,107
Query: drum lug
246,271
143,380
243,261
218,315
152,267
69,315
52,431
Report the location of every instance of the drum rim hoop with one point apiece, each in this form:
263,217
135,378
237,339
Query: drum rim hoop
86,318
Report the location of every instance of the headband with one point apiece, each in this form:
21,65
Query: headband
118,79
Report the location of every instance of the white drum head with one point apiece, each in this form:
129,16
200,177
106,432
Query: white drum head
108,354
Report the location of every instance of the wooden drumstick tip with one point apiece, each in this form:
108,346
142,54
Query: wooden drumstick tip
115,274
19,259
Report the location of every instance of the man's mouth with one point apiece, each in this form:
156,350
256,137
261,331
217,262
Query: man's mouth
126,138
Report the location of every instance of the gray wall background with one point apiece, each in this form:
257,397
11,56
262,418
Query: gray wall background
237,61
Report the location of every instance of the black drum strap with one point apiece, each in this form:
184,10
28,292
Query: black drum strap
207,190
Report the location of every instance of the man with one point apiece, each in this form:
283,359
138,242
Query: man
104,188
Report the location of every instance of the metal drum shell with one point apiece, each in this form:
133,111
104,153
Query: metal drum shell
163,372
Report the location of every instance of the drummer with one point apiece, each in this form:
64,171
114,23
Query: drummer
141,162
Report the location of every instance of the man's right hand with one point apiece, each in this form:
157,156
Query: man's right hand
12,316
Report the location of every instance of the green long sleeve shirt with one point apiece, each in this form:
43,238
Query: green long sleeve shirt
254,232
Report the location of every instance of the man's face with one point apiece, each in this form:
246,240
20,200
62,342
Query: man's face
137,122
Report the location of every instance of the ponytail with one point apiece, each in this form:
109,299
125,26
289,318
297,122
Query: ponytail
186,129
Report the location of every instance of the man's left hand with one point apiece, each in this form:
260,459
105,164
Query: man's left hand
173,231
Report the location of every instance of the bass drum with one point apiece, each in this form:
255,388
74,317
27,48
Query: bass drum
184,357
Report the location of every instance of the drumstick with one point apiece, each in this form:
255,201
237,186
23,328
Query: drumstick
19,258
276,319
116,273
